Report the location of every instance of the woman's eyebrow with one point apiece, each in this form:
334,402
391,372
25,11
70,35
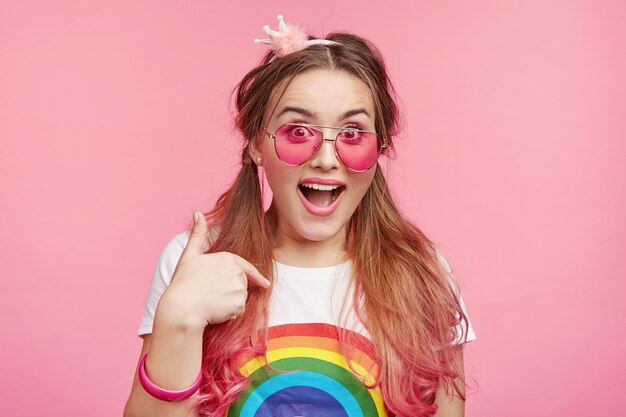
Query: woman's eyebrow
355,111
300,110
312,114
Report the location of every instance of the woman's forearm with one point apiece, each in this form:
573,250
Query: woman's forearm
174,359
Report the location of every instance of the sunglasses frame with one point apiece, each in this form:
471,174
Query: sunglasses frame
340,130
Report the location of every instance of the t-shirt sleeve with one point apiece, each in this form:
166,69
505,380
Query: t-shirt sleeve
161,278
460,329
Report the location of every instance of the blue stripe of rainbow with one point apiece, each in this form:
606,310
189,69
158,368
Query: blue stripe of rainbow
307,379
312,353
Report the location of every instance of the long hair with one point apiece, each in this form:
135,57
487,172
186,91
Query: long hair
401,290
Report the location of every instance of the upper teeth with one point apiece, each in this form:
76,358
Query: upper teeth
321,187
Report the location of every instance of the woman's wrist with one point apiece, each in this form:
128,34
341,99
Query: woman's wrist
164,394
174,316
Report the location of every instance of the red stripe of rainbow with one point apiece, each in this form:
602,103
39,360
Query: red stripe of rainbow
317,341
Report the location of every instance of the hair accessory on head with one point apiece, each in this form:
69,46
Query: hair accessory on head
289,39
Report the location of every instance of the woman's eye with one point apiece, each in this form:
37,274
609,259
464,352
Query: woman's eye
351,137
300,134
352,131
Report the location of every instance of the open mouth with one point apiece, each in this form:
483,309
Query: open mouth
321,195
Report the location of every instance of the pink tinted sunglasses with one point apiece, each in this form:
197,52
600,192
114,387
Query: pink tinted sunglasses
357,149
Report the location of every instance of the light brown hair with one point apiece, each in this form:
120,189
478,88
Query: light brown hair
409,304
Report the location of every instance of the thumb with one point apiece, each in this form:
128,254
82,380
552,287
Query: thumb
198,238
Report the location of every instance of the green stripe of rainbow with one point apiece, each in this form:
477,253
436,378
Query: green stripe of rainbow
313,348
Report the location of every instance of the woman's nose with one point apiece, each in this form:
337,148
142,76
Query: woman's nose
326,157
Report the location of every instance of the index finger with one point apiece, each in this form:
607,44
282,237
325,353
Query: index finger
253,274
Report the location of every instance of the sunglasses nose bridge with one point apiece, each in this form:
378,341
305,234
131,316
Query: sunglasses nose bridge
334,133
321,131
325,140
325,157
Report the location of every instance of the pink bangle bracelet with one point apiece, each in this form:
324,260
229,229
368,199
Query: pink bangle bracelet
164,394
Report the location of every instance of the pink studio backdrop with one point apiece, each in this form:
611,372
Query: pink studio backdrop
114,126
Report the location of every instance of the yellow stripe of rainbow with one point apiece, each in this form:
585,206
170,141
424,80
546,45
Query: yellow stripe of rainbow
322,348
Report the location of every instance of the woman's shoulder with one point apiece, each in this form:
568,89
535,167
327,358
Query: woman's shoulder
447,268
174,248
179,240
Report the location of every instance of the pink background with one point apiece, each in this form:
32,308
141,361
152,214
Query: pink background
114,125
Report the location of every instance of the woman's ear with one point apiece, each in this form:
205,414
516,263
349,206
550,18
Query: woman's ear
255,153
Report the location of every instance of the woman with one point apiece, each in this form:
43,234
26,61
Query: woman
328,303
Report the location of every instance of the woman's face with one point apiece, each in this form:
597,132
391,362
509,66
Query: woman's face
319,97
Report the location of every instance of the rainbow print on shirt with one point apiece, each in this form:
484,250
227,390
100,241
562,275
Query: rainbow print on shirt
320,384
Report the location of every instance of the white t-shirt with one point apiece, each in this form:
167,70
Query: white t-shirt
303,332
292,298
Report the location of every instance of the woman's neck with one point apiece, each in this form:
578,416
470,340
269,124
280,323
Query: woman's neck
292,249
309,254
309,258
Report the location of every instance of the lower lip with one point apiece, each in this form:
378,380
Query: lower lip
321,211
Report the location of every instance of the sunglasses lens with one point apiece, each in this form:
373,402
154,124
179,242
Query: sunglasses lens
359,151
296,144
